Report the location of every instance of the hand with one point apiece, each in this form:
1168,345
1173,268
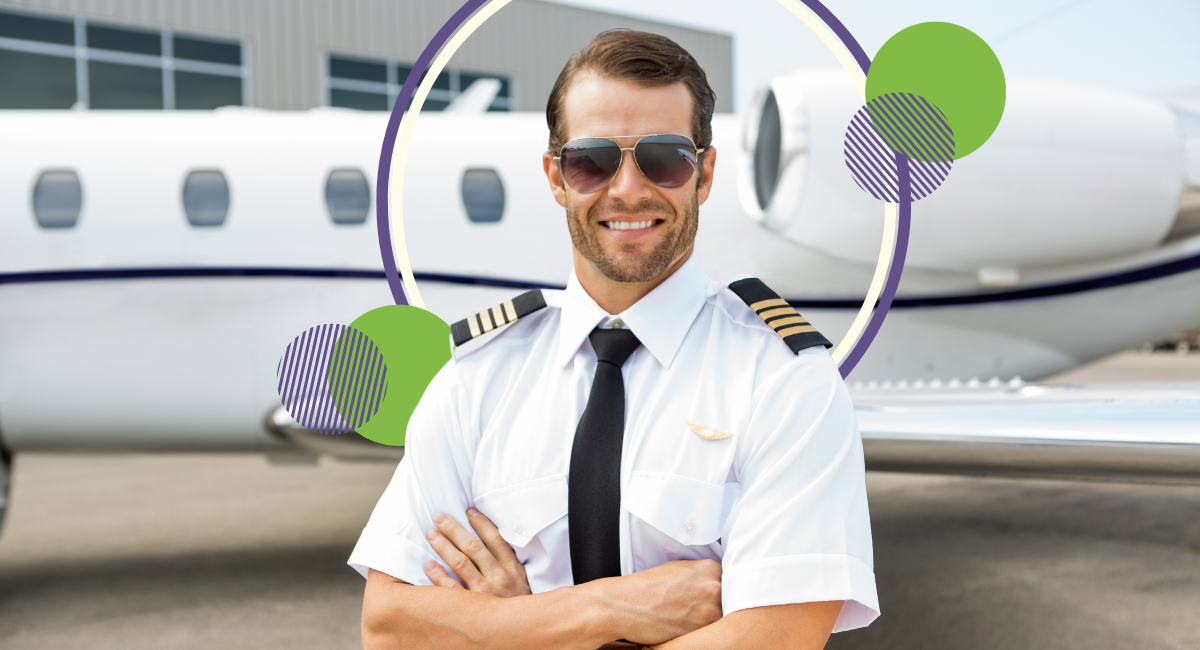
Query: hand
668,601
488,567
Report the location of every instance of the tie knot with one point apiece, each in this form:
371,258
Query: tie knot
613,346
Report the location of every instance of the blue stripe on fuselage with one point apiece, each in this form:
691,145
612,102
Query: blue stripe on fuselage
1134,276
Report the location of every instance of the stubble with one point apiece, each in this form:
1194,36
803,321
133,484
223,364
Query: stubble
627,264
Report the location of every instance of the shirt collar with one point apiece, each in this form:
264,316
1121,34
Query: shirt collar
660,319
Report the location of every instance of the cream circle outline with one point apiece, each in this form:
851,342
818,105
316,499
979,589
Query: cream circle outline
894,237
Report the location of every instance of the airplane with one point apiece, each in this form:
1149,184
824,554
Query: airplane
154,265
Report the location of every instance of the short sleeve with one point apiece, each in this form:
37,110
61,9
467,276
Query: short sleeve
801,532
433,477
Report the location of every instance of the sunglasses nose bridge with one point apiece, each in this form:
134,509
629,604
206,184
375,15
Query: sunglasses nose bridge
639,178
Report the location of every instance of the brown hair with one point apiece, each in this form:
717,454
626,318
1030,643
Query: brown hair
647,59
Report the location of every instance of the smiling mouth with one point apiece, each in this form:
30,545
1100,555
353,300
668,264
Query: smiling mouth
630,225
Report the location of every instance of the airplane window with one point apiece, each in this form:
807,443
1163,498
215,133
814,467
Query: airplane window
57,199
206,198
483,195
347,196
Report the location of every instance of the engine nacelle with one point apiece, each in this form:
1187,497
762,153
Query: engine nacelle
1071,174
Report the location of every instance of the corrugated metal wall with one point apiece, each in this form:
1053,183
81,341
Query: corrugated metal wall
286,41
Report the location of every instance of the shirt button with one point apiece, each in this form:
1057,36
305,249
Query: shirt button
618,324
516,528
689,528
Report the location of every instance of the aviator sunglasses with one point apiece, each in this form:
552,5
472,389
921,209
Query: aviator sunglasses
667,160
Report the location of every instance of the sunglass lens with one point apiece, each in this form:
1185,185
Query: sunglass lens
667,160
590,163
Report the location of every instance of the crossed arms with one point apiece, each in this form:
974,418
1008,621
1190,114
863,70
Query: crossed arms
674,606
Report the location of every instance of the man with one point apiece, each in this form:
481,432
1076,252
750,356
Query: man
646,458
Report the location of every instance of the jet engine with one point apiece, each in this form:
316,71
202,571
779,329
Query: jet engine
1070,175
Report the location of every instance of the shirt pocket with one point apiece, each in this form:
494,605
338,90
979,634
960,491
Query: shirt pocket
523,510
691,512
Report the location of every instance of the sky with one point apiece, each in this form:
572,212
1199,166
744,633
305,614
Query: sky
1149,46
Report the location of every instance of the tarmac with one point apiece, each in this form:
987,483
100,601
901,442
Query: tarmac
216,551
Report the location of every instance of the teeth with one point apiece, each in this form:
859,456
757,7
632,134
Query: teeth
629,225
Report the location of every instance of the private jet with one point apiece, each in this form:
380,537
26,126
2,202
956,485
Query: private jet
154,265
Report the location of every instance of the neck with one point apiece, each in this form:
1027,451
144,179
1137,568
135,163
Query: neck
615,297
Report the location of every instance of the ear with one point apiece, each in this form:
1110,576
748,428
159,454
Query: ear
707,165
550,167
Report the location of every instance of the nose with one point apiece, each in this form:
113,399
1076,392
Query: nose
629,185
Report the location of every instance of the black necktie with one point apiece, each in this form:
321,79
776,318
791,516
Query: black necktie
594,493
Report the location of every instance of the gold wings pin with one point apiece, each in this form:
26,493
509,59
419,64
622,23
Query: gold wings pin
706,433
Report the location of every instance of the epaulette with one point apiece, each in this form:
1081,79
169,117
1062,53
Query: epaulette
776,312
489,319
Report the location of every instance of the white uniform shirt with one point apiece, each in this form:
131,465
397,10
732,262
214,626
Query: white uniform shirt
781,504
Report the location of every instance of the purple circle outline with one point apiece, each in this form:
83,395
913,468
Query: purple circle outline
902,228
383,175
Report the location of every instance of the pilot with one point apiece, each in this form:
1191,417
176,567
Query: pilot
648,457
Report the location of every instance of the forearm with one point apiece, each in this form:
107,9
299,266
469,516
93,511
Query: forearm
399,615
802,626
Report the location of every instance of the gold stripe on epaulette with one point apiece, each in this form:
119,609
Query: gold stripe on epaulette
799,329
491,318
773,302
782,311
794,320
497,316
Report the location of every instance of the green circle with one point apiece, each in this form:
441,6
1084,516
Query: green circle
953,69
415,345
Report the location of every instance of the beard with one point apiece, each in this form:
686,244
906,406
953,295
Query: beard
628,263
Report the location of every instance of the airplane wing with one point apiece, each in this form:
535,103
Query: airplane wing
1138,432
1118,432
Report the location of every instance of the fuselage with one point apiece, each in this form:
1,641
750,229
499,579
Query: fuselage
134,328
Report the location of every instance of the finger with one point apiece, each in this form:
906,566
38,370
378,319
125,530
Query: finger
454,558
491,537
438,576
467,543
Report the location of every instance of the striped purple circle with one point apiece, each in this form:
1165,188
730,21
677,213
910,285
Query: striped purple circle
898,123
332,379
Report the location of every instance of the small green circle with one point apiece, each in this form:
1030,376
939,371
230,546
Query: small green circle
953,69
415,345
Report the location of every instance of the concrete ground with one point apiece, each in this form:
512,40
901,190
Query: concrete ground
208,551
